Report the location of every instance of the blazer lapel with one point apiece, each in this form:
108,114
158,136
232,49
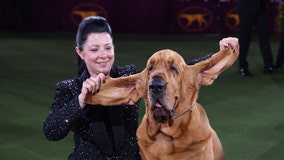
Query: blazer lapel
117,124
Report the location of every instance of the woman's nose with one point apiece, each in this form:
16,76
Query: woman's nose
103,54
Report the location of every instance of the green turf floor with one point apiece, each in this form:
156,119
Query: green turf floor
247,113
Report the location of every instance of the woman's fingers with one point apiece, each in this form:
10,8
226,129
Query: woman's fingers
101,78
93,83
90,85
230,41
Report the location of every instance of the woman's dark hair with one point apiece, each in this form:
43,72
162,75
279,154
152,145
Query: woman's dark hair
92,24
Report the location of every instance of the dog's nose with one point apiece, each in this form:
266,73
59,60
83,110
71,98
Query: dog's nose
157,86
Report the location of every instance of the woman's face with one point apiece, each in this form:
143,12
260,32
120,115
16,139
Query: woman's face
98,53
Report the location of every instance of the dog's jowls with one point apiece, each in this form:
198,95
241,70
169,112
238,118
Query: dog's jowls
175,126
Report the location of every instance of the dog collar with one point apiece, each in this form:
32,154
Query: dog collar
179,115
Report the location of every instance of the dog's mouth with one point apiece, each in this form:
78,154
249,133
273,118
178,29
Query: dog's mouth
161,113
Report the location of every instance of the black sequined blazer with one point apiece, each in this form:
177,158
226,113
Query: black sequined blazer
99,132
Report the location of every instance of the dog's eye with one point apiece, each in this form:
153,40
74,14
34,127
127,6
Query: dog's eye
173,69
150,68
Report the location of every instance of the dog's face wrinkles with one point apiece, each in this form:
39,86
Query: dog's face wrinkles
164,77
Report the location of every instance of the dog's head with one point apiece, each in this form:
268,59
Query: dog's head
168,85
165,72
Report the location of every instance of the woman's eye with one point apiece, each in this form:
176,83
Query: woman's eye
108,47
94,50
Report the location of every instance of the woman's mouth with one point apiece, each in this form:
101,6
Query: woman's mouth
103,63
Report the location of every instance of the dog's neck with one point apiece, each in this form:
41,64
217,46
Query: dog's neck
171,121
154,127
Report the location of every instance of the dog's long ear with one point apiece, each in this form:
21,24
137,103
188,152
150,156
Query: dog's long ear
209,69
118,91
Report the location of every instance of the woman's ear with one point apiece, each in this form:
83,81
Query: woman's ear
79,52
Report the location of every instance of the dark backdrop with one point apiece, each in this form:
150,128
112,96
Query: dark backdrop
130,16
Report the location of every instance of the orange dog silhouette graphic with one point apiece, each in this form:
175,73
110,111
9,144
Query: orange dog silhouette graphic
235,18
197,17
84,14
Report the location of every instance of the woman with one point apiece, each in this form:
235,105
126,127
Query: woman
99,132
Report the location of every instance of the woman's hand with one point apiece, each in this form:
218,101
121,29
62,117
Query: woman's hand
90,85
230,41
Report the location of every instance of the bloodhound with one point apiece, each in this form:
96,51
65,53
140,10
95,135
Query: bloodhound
175,126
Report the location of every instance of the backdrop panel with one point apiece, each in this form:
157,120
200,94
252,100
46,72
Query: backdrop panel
73,11
195,17
143,16
229,21
132,16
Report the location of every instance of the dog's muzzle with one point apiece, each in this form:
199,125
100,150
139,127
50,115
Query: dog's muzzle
157,86
157,89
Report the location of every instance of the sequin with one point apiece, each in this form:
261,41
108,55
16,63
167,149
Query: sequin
66,115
